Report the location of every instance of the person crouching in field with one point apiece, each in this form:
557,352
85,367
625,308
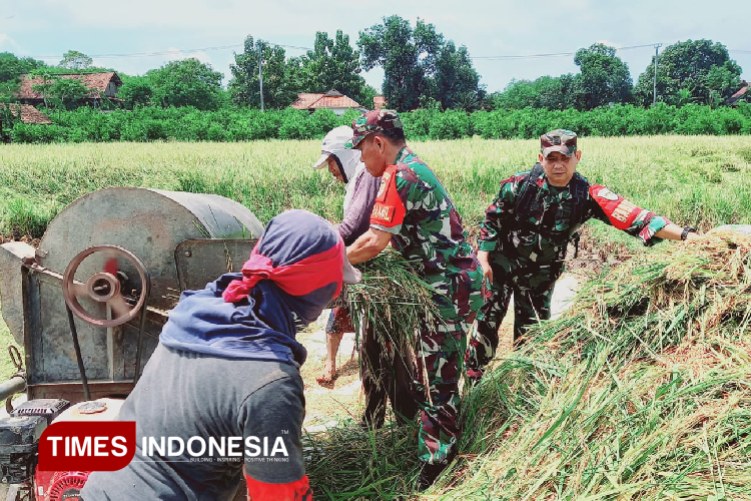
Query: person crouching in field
227,367
526,232
413,212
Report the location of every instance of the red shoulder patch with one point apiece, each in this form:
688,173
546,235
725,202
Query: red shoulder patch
620,212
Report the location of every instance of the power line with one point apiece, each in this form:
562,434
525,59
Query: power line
552,54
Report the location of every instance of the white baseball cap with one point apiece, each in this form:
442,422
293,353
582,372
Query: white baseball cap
334,142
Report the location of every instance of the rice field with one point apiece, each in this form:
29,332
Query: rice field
697,180
640,392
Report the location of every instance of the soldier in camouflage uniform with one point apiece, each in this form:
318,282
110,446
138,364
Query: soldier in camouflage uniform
415,214
525,235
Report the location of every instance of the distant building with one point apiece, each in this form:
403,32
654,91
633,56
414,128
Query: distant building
332,100
379,102
101,85
732,100
25,113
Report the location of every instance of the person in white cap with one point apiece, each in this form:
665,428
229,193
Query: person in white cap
384,377
361,188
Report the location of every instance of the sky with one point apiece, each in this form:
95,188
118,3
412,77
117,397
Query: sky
135,36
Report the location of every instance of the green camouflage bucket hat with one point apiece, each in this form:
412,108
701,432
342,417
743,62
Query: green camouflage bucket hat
385,121
561,140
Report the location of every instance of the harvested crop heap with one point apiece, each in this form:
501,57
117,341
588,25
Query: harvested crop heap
352,462
643,390
392,300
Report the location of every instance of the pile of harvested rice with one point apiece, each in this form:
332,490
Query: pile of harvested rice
643,390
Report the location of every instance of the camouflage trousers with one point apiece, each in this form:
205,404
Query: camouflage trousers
532,294
439,366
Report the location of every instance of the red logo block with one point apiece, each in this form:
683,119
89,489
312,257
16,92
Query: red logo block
87,445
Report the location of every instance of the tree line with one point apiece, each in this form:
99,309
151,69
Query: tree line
422,70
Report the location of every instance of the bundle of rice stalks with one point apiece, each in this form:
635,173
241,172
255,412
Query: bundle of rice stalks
392,301
354,463
643,390
348,462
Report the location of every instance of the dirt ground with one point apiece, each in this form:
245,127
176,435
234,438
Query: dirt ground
329,406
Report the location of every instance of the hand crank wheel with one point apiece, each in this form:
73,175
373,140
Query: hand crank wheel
104,287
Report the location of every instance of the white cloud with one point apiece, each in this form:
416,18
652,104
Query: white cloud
7,43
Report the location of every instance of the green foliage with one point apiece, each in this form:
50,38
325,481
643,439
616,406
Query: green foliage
74,60
552,93
228,125
333,64
420,65
66,92
456,84
603,78
407,57
188,82
617,120
280,77
696,71
12,67
136,91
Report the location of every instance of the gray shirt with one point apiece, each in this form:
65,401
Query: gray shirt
185,395
357,211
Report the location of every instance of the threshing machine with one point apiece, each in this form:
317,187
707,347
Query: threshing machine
89,302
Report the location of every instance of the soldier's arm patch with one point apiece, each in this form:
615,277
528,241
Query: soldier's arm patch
389,210
620,212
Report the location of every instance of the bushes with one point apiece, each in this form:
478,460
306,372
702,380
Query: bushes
617,120
235,124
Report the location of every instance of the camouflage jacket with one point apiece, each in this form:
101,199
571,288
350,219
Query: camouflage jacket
534,232
413,205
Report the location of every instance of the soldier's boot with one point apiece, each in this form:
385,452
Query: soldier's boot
430,472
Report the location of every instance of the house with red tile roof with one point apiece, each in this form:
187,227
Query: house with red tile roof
101,86
733,100
332,100
26,113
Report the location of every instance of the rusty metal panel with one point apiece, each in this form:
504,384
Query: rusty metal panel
201,261
12,255
108,354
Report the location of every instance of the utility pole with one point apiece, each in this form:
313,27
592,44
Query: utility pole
260,72
654,91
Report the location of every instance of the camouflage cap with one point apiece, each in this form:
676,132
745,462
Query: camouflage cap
385,121
561,140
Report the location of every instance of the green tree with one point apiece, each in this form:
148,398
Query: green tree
552,93
136,91
76,61
12,67
187,82
456,83
697,71
332,64
407,57
66,92
603,78
281,79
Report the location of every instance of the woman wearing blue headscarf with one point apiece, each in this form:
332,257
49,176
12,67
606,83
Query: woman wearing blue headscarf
222,397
